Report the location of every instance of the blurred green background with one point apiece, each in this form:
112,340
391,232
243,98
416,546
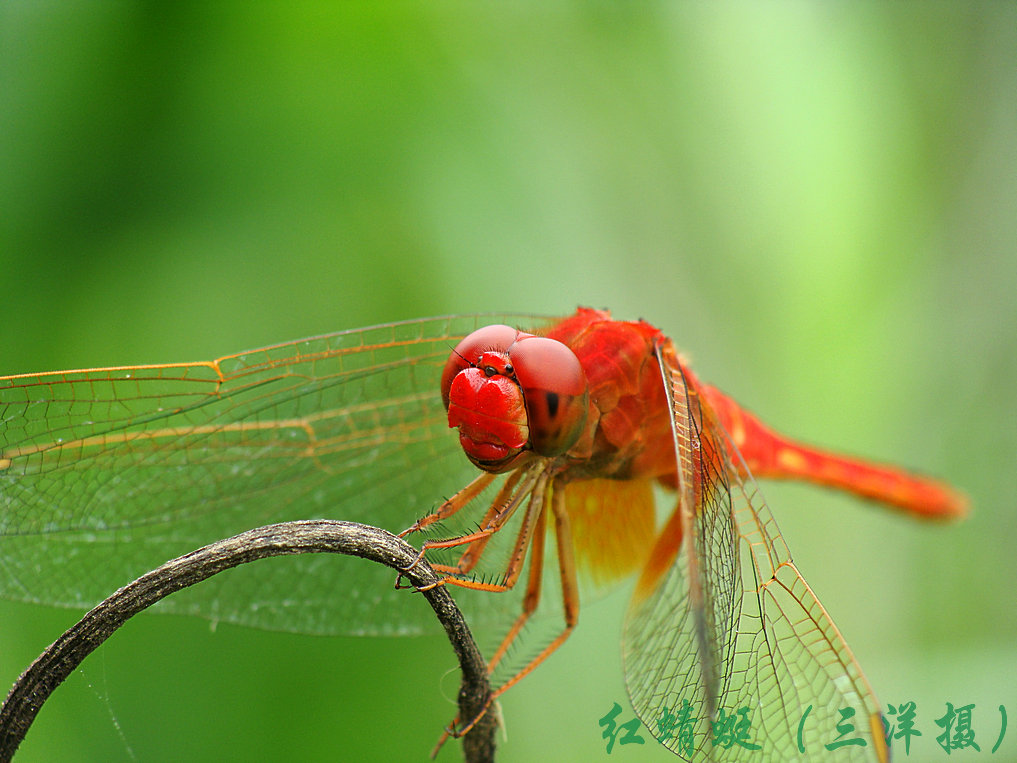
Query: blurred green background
817,202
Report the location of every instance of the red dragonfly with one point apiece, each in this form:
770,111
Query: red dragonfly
105,473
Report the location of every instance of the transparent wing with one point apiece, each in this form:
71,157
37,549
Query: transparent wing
732,649
107,473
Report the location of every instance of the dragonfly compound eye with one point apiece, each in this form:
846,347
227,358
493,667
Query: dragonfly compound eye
555,392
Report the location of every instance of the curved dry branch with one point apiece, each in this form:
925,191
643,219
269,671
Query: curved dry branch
318,536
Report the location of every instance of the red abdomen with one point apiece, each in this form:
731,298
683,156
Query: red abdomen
628,430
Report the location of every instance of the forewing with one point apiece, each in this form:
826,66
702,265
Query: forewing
732,625
107,473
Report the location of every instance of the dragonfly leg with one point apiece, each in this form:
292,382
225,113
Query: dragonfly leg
475,549
531,599
499,513
450,507
534,512
453,504
570,602
569,588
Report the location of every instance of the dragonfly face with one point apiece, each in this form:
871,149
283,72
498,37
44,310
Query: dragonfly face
508,392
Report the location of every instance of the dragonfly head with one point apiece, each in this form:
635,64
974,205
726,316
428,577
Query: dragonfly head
513,395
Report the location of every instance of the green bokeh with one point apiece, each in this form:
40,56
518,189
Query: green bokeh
818,202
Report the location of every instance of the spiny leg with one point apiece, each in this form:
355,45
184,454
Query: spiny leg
476,547
569,588
534,511
531,599
501,516
453,504
570,601
532,533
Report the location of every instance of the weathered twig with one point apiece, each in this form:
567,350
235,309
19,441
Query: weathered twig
321,536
